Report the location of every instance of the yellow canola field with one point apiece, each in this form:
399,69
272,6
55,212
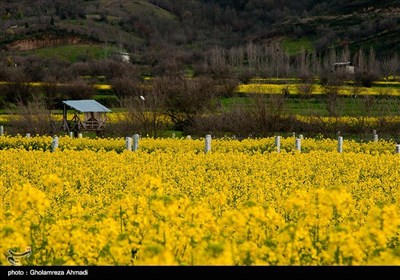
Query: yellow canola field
179,206
317,89
148,144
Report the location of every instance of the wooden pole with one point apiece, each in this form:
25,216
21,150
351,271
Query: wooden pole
128,143
54,144
207,144
340,144
278,143
135,142
298,144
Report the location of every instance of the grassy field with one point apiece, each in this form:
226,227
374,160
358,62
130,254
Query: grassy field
318,105
296,46
74,53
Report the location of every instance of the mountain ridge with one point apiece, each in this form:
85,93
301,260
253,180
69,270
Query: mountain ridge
147,27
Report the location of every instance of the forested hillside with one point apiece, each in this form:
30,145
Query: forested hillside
150,29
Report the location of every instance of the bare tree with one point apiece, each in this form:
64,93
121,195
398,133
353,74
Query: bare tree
236,57
77,89
279,61
126,86
390,66
18,90
32,117
143,109
217,62
187,98
252,55
367,71
331,86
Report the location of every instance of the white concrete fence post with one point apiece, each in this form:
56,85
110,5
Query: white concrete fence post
1,130
398,149
128,143
135,142
54,143
376,137
28,135
207,143
298,144
80,135
278,143
71,134
340,144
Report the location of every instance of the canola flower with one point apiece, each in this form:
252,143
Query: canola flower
381,88
276,85
240,204
196,145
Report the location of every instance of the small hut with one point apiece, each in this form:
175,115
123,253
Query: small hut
343,67
94,116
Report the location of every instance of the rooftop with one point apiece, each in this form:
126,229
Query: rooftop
87,105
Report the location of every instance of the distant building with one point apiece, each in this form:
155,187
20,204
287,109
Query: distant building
343,67
124,56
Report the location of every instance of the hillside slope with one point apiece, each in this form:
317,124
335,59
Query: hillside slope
146,28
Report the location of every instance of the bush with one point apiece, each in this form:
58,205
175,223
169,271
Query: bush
33,117
365,78
77,89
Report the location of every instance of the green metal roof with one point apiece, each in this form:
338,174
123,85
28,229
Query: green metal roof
88,105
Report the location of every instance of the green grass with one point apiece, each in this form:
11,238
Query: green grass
169,133
345,106
73,53
229,102
144,7
293,47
